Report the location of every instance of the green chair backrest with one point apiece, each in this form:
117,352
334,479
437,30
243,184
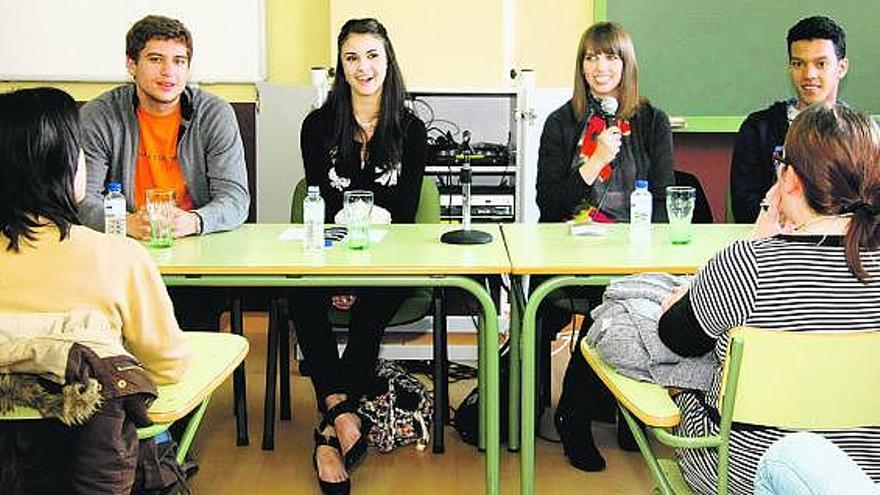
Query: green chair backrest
728,208
807,380
296,201
428,210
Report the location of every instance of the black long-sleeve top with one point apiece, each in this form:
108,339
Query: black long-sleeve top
396,187
645,154
751,170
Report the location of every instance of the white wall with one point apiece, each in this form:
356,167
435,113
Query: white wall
280,113
84,40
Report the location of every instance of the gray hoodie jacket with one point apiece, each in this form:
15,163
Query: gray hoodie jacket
209,150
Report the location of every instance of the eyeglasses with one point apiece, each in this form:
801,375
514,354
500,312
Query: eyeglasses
779,160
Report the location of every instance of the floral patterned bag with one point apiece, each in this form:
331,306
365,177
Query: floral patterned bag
400,415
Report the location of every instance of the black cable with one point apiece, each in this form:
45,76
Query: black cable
455,371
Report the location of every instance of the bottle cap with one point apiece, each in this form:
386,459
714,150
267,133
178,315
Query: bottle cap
641,184
114,187
314,190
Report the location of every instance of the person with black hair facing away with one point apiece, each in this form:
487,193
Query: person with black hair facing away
53,265
589,158
812,264
817,64
362,138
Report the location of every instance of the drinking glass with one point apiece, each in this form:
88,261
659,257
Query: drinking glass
680,210
160,210
358,207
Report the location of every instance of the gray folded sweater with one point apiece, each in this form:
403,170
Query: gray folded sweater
624,333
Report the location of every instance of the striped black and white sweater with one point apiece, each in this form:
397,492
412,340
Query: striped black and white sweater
789,283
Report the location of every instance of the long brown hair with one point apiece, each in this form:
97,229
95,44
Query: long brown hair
836,154
609,38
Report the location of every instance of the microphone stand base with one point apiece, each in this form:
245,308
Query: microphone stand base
466,237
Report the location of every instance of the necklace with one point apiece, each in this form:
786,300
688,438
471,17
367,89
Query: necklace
803,226
368,125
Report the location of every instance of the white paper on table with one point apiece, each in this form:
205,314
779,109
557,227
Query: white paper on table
292,234
587,230
299,233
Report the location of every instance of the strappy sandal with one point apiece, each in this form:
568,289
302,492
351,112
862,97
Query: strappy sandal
356,452
329,487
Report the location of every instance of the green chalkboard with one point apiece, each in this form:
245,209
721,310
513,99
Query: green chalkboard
718,60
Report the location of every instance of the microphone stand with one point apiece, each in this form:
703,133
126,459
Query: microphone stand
465,235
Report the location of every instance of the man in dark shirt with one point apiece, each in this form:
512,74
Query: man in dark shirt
816,64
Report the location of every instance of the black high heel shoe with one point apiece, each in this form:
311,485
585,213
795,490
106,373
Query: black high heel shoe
577,441
329,487
358,451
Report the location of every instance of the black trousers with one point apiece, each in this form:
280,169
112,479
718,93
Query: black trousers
353,374
199,308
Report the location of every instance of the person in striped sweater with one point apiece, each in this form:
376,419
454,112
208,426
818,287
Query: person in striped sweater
812,264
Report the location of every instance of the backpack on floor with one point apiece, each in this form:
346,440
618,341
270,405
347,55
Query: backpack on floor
158,472
467,416
401,414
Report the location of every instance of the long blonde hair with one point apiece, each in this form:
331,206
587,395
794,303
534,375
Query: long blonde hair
609,38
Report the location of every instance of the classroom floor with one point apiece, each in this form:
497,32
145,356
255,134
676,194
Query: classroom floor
225,468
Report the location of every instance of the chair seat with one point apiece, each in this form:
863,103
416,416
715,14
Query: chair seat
674,476
649,402
215,355
414,308
577,305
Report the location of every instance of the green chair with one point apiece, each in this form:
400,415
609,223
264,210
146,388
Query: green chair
421,303
728,208
215,356
792,380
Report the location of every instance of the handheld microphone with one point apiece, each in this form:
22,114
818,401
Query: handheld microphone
608,106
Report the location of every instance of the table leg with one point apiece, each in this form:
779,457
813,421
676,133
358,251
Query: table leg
528,377
482,339
271,379
489,327
441,397
283,325
239,381
517,304
488,338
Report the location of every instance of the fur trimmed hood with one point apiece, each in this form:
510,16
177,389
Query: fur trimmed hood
72,404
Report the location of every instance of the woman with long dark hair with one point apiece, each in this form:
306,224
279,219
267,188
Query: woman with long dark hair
363,137
812,265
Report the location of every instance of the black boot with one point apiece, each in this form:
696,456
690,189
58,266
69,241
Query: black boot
577,441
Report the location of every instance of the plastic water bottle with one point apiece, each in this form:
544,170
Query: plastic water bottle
640,206
114,210
313,220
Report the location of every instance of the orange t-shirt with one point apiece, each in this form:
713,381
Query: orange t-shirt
157,165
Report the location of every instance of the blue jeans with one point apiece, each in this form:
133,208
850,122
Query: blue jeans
805,463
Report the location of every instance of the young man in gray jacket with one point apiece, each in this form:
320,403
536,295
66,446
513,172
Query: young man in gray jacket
159,133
